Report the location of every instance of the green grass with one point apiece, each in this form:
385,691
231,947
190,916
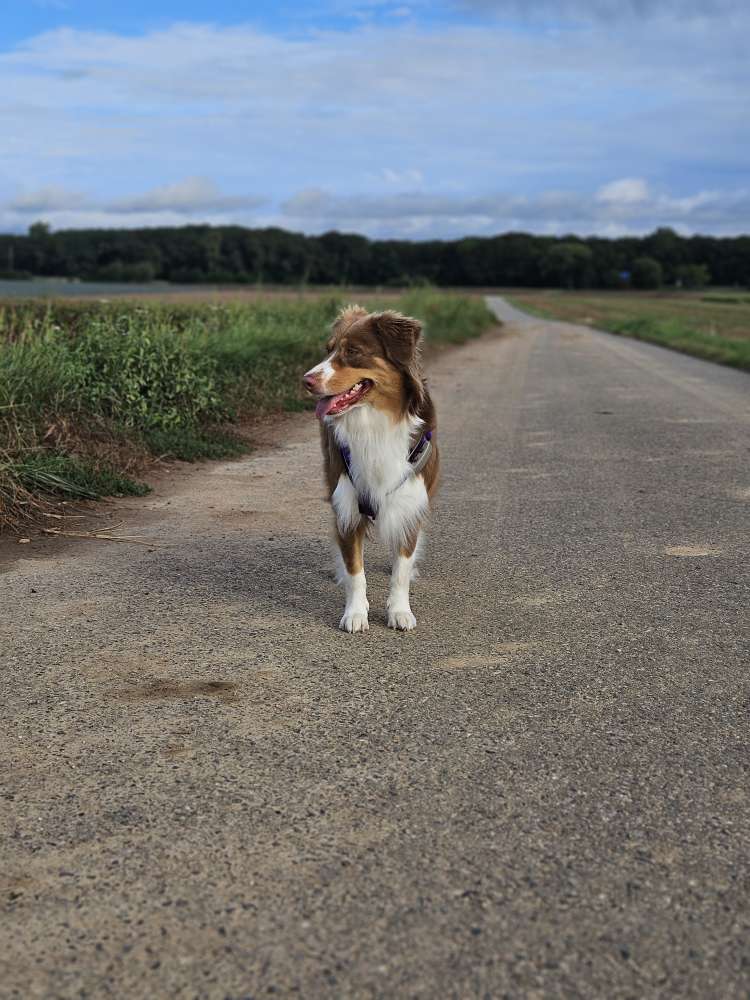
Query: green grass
69,476
714,327
673,333
448,319
727,299
192,443
88,391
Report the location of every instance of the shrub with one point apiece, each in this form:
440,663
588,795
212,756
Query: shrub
693,276
134,371
646,273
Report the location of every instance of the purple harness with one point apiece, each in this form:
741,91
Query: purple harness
417,458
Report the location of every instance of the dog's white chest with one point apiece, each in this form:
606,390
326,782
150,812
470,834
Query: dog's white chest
379,464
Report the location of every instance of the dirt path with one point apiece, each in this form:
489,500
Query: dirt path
209,791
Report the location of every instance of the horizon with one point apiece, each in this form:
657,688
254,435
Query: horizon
392,121
198,224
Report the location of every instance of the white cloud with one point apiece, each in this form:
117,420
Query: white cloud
628,191
194,194
402,177
627,207
48,199
191,199
624,206
616,116
605,10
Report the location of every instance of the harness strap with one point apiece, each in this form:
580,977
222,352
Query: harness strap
417,458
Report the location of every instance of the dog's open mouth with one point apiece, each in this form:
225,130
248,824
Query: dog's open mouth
332,406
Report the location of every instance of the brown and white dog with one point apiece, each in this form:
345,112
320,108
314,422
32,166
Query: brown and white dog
378,438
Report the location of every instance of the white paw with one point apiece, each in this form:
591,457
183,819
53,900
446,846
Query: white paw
354,621
403,620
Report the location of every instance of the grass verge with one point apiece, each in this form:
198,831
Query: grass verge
673,333
713,327
65,475
91,392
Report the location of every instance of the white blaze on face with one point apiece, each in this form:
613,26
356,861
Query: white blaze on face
324,371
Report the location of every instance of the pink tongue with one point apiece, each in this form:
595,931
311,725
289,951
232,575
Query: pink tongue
324,405
328,403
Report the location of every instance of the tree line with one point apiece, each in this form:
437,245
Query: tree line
234,254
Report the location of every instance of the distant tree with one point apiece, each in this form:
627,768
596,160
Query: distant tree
666,246
201,253
692,276
38,230
646,273
567,265
111,271
139,270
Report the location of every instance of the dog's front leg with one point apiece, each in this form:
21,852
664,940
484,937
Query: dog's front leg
352,575
399,610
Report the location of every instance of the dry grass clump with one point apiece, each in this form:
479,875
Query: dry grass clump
17,504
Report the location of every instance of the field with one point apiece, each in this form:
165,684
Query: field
710,325
162,291
92,392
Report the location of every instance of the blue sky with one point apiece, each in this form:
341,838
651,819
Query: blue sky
416,119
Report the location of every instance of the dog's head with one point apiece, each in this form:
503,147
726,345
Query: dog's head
373,360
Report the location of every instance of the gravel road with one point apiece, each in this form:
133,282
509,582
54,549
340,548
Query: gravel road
209,791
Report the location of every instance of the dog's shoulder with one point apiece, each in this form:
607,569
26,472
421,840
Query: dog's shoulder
333,463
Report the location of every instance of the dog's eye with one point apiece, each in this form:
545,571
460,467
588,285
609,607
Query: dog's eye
354,359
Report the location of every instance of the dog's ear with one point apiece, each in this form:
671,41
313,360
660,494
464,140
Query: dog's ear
346,318
400,337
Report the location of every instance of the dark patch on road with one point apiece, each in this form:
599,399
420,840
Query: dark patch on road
174,750
12,886
156,690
